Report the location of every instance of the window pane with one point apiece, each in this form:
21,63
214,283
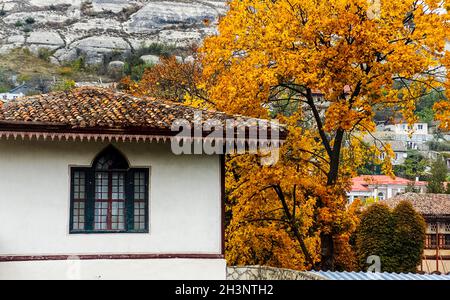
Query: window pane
139,215
78,216
78,188
139,186
78,185
101,186
101,215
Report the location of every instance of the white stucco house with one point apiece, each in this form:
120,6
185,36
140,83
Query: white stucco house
10,96
90,189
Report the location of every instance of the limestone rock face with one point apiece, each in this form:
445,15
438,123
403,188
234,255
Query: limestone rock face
102,28
150,59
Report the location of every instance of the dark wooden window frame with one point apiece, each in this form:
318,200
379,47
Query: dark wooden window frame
432,241
90,198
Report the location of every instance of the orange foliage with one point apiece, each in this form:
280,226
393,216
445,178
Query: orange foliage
275,57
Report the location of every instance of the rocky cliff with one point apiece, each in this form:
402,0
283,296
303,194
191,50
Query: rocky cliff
95,28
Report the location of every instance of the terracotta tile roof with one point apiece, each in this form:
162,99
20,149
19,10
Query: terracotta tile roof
359,187
102,110
426,204
361,183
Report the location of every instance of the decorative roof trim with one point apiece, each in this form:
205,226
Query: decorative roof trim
118,137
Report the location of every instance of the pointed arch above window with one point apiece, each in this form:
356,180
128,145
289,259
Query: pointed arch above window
110,159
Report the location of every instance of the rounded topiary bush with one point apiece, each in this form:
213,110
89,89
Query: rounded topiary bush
396,236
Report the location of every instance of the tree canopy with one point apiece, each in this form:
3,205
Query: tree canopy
324,68
333,64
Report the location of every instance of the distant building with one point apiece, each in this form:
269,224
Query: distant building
15,93
403,138
10,96
435,208
403,128
381,187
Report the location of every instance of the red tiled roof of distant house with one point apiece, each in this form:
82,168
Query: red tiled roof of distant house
359,187
360,183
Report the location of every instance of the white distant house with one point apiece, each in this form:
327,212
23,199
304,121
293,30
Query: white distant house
90,189
404,128
15,93
403,138
381,187
10,96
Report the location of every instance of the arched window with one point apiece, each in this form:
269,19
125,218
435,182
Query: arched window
380,196
110,196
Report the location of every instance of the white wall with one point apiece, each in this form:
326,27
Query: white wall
403,128
151,269
185,204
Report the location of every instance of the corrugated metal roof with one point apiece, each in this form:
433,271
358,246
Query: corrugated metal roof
377,276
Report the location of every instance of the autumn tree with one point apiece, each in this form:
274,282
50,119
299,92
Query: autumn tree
334,64
171,80
443,114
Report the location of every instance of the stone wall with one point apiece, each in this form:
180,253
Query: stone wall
267,273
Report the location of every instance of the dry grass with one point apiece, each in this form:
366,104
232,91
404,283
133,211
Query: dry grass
26,64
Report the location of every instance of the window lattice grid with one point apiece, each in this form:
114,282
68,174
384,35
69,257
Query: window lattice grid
447,227
79,196
101,215
79,186
78,215
446,241
139,186
101,186
118,183
431,241
139,201
139,215
433,227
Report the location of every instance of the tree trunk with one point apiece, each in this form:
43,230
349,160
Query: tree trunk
327,242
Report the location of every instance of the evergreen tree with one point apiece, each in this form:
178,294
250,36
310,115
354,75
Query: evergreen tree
409,237
413,166
438,176
397,237
374,236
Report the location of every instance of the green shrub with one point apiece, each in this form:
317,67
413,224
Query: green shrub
30,20
374,234
397,237
18,23
65,85
409,237
135,67
45,54
65,71
439,146
79,64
